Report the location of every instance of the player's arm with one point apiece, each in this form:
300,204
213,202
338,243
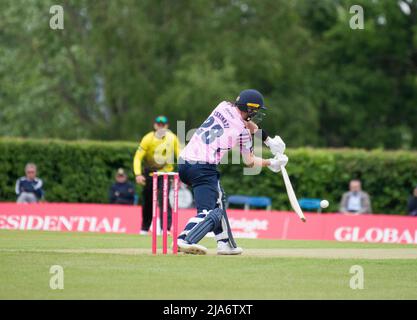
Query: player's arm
17,189
251,126
137,160
137,165
37,188
246,150
274,164
250,160
275,144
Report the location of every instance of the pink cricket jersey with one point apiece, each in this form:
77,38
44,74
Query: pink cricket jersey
222,131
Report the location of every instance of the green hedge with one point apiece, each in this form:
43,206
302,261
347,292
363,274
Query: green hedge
79,171
82,171
389,177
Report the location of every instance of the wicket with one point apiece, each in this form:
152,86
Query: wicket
155,211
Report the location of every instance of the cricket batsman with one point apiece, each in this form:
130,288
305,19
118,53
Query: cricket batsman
229,124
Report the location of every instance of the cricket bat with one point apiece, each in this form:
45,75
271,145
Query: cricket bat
291,195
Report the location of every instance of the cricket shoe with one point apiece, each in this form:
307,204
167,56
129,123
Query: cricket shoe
143,232
224,248
190,248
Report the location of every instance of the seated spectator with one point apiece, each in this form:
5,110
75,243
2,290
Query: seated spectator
355,200
412,203
29,188
122,191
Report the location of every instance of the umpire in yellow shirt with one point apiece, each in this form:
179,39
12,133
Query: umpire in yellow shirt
158,151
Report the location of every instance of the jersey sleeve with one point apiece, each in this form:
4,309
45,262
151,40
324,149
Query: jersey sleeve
177,147
17,188
140,154
245,142
38,188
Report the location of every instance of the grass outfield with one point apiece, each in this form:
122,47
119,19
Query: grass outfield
114,266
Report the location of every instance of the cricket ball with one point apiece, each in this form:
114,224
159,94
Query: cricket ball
324,204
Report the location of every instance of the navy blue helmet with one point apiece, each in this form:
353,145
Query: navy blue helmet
250,101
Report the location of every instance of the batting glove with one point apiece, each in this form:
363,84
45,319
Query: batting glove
278,161
275,144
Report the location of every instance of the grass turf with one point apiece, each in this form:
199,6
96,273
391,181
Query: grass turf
25,262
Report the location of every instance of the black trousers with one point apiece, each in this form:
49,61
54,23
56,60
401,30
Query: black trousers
147,202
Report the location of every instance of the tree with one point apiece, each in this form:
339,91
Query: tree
366,78
117,64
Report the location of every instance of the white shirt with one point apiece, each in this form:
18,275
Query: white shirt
354,202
